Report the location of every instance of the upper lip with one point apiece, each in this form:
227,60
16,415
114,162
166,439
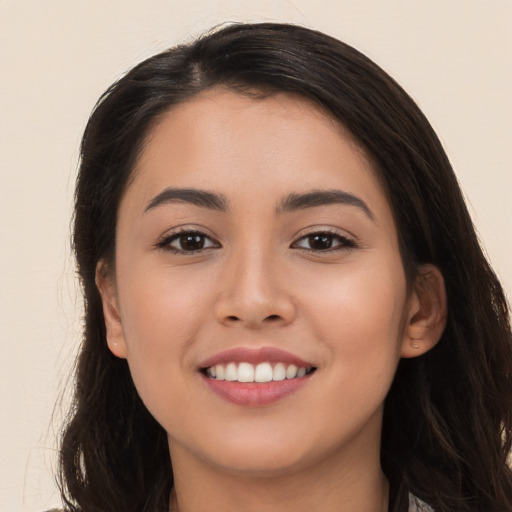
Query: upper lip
254,356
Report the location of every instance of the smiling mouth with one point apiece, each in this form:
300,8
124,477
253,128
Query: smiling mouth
256,373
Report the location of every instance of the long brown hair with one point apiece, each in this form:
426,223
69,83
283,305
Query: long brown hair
447,421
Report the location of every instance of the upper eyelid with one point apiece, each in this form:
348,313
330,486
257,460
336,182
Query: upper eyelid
166,239
303,233
345,241
313,230
175,236
329,233
186,228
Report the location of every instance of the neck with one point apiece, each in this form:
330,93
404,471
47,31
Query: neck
260,497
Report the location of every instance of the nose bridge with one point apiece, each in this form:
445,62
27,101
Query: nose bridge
253,292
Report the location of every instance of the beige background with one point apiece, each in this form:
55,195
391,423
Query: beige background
56,57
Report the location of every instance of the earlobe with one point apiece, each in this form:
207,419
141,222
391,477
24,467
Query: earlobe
105,282
427,312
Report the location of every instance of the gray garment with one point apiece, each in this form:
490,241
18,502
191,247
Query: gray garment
416,505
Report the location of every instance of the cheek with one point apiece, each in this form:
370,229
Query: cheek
161,315
358,320
358,314
158,305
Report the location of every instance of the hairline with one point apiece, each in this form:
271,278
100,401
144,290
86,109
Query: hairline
259,93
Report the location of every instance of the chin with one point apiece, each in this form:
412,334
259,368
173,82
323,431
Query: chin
267,455
251,454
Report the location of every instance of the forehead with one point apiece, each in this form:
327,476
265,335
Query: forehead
247,146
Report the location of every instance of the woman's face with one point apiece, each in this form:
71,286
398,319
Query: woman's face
255,242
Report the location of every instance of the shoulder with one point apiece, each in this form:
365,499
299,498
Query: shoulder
416,505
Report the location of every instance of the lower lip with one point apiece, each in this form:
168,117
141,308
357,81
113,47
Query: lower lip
255,394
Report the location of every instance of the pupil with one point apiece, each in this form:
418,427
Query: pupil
192,242
320,242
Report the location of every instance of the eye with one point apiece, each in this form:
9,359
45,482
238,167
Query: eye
187,242
324,241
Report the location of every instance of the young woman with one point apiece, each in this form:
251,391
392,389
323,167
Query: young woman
287,307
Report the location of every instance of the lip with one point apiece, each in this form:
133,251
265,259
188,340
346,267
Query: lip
254,394
254,356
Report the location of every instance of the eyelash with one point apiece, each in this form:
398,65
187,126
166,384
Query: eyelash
166,242
344,243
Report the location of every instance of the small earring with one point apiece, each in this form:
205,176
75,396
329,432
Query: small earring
415,345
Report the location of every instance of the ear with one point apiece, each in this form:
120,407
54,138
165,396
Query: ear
106,283
427,312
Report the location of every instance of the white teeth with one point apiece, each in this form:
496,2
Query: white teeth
245,372
279,372
291,371
231,372
263,372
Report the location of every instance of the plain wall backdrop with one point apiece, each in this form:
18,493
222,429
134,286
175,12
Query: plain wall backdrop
56,57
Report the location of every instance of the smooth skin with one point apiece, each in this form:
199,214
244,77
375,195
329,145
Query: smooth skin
324,281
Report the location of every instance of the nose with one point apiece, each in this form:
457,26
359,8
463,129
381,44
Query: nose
254,293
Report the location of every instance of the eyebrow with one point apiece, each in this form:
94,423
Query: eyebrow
292,202
197,197
321,198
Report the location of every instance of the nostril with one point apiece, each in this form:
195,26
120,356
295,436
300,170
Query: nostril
273,317
233,318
